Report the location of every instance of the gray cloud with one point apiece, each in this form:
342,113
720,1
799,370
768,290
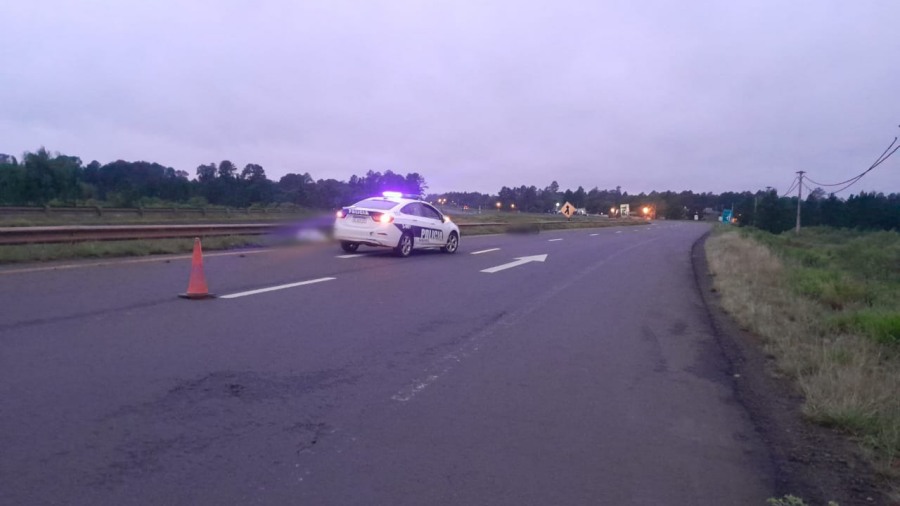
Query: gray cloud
706,95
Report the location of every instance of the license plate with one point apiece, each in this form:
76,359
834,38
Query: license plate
360,219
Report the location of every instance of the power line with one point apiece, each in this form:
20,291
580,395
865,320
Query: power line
848,186
887,153
792,188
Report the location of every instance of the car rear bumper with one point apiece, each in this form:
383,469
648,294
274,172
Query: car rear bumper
377,237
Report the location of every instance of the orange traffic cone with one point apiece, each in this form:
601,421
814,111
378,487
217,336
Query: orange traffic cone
197,288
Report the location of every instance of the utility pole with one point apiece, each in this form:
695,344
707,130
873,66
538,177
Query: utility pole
799,196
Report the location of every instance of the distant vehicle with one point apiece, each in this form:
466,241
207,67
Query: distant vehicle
397,221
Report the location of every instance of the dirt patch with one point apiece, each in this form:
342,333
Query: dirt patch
810,461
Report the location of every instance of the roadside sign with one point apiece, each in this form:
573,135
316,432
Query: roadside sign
726,215
567,209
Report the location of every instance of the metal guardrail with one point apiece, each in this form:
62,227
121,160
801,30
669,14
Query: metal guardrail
63,234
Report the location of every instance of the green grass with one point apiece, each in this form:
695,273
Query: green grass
855,274
829,287
520,222
881,325
826,307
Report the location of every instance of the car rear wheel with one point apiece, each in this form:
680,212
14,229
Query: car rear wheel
405,246
452,244
349,247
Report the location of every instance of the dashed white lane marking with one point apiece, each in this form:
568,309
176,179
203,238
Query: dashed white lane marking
553,240
273,288
618,231
354,255
592,235
484,251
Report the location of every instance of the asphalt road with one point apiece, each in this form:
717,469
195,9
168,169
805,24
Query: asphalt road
592,377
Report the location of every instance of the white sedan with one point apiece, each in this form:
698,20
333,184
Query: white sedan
395,221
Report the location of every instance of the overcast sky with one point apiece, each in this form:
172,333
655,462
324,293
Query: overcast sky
650,95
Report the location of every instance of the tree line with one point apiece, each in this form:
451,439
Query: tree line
45,178
762,209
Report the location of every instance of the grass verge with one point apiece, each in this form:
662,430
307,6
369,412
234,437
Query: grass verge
826,307
533,223
22,253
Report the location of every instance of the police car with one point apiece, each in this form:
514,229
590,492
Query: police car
396,221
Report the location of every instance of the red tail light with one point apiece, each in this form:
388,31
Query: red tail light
342,213
382,218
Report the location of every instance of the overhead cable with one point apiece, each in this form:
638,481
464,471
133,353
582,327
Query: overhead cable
887,153
792,188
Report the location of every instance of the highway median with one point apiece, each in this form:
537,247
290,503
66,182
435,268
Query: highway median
49,243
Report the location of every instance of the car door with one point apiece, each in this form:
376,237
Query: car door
432,226
413,222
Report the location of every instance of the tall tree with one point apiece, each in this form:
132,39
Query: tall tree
227,170
206,173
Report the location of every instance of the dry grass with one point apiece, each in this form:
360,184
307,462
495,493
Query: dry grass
849,380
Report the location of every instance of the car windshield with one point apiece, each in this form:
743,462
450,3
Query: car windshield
383,204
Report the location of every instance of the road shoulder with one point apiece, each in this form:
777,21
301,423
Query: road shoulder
812,462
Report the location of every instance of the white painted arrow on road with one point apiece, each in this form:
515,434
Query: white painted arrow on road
519,261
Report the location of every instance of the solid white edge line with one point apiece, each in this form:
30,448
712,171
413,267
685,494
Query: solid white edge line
484,251
273,288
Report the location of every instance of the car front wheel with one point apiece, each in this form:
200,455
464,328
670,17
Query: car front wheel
405,246
452,244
